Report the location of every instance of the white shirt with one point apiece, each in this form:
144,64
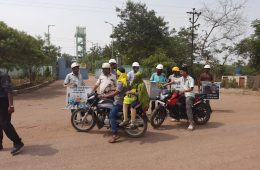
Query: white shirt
106,83
187,83
176,85
131,76
72,79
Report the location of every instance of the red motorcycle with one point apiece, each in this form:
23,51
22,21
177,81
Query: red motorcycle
173,104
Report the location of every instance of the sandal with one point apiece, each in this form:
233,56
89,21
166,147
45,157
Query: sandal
123,123
114,139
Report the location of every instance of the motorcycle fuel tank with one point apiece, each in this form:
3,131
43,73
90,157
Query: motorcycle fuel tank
105,104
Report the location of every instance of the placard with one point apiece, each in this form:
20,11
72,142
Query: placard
76,97
210,89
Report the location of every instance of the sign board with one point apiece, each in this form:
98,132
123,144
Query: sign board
154,90
76,97
210,89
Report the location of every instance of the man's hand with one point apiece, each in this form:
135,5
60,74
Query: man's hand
10,109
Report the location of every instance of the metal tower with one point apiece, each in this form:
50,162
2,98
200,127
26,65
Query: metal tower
80,42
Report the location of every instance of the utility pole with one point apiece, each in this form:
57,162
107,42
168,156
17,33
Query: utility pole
112,40
49,42
193,21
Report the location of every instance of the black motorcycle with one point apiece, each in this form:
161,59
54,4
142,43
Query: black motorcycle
173,104
96,112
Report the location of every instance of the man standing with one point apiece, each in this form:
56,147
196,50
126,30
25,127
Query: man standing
131,74
158,77
6,109
106,81
187,85
205,76
74,78
113,65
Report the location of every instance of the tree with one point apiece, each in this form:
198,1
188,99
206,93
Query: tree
223,25
249,48
140,32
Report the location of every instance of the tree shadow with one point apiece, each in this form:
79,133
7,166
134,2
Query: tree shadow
39,150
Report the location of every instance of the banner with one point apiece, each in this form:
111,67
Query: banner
76,97
210,89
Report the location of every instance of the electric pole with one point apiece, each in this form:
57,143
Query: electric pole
193,27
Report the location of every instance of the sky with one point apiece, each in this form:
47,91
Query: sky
34,16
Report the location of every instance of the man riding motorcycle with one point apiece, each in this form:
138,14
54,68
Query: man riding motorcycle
118,95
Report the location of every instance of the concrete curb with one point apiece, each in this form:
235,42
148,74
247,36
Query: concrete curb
29,89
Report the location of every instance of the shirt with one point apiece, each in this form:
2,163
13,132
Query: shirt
176,85
5,85
158,79
119,98
131,76
187,83
106,83
72,79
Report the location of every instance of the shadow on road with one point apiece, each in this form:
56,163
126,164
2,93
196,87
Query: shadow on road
39,150
151,137
222,111
184,125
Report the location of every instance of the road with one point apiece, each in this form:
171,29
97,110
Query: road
231,139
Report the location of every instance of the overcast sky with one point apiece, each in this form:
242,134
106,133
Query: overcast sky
34,16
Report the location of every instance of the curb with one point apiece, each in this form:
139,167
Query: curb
29,89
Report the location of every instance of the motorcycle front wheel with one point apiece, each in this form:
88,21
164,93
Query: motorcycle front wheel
82,120
158,117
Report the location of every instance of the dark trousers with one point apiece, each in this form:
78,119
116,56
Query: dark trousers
5,123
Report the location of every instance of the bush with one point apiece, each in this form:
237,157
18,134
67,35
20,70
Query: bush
47,72
229,83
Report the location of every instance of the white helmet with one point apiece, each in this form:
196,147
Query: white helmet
159,66
135,64
207,66
75,64
105,65
112,61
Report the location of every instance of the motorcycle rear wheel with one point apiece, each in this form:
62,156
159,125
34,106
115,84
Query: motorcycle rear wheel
139,129
202,114
80,124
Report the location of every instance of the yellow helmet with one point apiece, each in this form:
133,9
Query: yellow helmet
175,69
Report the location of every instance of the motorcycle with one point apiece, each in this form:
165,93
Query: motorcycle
96,112
173,104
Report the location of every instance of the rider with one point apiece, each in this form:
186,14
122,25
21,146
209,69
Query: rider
118,101
136,97
106,81
74,78
113,65
131,74
187,84
158,77
174,77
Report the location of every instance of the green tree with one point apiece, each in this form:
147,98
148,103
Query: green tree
140,32
249,48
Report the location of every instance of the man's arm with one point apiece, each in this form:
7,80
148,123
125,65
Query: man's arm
97,84
11,104
66,81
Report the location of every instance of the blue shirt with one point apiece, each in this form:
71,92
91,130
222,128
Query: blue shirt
158,79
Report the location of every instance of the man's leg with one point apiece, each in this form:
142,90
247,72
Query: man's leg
1,138
5,122
189,103
113,117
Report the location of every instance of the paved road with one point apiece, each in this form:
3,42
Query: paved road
231,140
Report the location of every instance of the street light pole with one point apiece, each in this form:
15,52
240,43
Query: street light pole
112,40
49,33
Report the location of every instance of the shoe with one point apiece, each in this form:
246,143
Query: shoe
175,120
17,148
132,125
1,147
191,127
123,123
